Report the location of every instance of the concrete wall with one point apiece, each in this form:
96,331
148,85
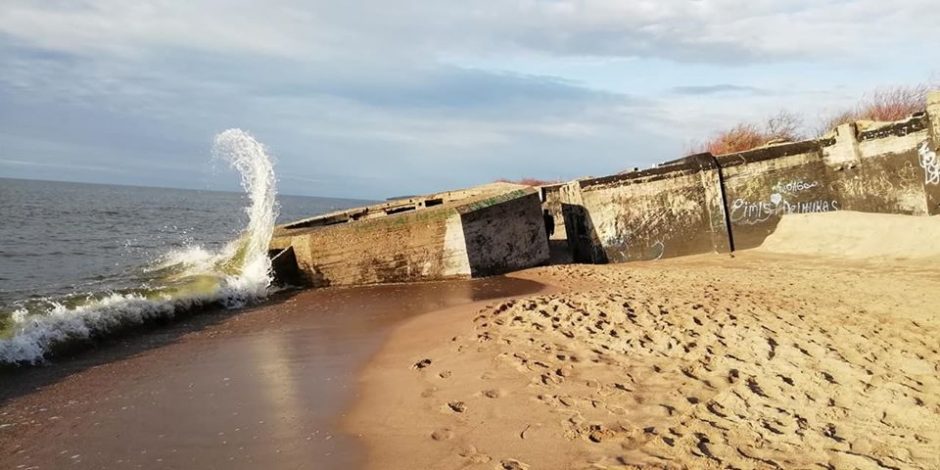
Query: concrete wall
885,176
464,238
582,241
698,204
928,160
703,204
670,211
404,204
505,233
398,248
763,185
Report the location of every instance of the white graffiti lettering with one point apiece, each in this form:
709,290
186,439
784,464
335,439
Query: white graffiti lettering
659,248
930,164
752,213
796,186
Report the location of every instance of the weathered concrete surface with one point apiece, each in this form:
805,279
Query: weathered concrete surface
868,167
705,204
582,241
397,206
504,233
460,234
698,204
673,210
764,184
885,177
928,160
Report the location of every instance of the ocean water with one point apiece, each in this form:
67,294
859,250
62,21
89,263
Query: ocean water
79,260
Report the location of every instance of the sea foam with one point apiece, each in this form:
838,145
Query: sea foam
182,280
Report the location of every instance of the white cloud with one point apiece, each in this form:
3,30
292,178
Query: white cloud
370,89
685,30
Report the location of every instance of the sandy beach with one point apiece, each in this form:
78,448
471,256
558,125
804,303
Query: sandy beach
264,387
761,360
484,235
787,356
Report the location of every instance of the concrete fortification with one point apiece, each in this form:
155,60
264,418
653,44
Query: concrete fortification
481,231
698,204
706,203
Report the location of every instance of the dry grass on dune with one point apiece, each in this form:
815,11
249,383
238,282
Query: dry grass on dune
882,104
782,127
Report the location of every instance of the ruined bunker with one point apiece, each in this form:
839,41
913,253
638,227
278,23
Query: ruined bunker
486,230
719,203
702,203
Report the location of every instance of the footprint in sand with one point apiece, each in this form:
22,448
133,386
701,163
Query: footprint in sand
566,400
473,455
457,406
421,364
444,434
598,433
512,464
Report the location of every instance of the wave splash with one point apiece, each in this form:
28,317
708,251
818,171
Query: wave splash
181,280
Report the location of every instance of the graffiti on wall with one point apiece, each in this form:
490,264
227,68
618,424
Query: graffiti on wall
627,244
795,186
659,249
856,185
930,164
748,212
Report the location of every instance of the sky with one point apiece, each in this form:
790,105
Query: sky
373,99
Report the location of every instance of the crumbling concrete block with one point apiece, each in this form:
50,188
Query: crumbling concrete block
482,231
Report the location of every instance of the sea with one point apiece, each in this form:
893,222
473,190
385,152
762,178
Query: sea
79,261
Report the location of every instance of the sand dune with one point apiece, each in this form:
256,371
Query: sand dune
857,235
757,361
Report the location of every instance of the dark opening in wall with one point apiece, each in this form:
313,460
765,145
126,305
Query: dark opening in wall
433,202
396,210
580,228
285,269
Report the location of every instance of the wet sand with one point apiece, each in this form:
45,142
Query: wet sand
261,388
758,361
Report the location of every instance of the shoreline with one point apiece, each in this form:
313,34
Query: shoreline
400,352
199,314
266,385
696,362
758,361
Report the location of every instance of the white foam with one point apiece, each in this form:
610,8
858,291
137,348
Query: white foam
237,274
248,156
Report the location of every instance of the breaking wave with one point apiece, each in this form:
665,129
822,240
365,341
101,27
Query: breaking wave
181,280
